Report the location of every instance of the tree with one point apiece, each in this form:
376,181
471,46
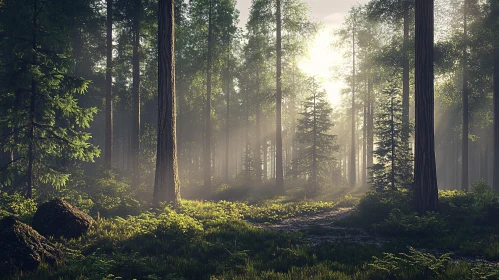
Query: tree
352,174
394,11
166,185
108,148
136,90
279,164
315,156
393,168
44,124
425,174
465,127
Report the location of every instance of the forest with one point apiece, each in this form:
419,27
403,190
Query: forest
249,139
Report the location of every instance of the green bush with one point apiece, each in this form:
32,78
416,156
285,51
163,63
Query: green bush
415,265
398,223
17,205
375,207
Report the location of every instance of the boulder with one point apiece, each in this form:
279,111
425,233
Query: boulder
58,218
22,248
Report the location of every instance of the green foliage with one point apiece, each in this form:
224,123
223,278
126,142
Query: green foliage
315,157
375,207
393,167
16,205
43,125
407,225
415,265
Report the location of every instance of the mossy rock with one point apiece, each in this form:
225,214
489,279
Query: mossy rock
58,218
24,249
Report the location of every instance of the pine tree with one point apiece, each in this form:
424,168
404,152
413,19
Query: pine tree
425,168
40,113
393,168
315,156
166,185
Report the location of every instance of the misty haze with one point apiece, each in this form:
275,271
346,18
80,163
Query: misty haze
249,139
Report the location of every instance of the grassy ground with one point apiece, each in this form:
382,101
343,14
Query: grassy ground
232,240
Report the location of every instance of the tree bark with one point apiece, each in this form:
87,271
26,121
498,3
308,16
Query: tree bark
465,132
166,185
496,126
227,117
405,74
207,136
278,145
258,145
136,92
108,148
370,124
425,175
352,178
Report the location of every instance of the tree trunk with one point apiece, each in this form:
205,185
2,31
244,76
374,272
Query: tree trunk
227,117
364,146
392,130
166,185
108,149
265,158
278,145
207,136
370,125
353,175
464,148
496,126
136,92
314,144
405,74
258,145
425,175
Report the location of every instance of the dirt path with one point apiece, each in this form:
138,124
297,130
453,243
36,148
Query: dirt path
320,227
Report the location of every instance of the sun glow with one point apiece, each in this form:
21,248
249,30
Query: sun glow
321,62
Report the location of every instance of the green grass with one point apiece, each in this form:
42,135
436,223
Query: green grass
217,240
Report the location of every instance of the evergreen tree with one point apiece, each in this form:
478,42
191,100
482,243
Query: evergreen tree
393,168
315,156
425,169
40,116
166,186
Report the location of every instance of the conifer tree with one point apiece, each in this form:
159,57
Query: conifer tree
40,114
393,168
315,156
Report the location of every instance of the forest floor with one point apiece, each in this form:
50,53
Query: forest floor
348,236
321,227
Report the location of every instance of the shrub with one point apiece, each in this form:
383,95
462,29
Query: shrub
398,223
375,207
415,265
16,205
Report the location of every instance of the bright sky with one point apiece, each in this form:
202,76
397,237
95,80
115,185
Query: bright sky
322,57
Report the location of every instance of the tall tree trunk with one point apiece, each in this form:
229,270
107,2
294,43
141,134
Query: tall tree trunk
136,93
166,185
278,144
392,130
425,175
207,136
496,126
258,145
464,148
370,124
405,74
364,146
31,133
265,159
108,152
227,117
314,143
353,175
